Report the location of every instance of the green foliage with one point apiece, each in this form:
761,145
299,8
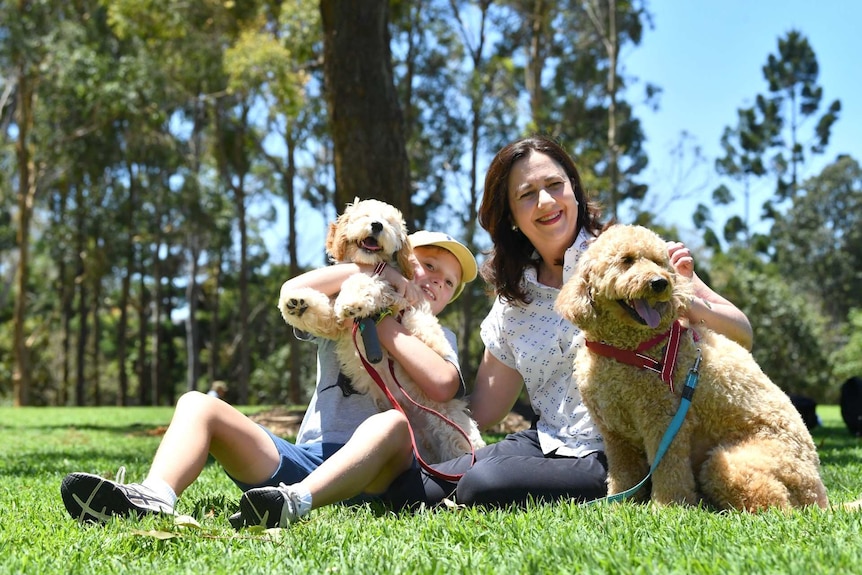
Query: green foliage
788,331
818,242
792,76
39,446
848,357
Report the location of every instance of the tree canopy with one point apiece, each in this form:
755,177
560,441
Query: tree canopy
149,149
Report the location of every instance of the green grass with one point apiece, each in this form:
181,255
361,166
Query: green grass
38,446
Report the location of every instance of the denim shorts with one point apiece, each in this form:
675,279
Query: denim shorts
297,461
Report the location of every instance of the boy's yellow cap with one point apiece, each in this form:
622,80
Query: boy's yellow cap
465,257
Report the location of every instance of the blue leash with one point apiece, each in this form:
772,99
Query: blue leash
672,429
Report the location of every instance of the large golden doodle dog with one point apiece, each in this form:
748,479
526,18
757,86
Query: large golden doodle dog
370,232
742,445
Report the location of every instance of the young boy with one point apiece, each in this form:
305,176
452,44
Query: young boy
345,446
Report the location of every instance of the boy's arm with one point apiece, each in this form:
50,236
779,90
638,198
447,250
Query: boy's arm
327,279
437,377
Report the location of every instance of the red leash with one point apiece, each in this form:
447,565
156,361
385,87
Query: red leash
382,385
636,358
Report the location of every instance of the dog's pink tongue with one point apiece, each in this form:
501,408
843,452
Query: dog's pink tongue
647,313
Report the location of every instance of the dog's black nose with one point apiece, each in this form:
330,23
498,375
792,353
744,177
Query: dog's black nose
658,285
376,227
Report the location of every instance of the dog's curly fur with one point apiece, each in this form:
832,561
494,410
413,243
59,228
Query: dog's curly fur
742,445
369,232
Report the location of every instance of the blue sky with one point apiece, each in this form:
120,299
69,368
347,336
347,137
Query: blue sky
707,57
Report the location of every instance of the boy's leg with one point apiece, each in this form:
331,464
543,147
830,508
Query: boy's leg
200,424
204,425
378,451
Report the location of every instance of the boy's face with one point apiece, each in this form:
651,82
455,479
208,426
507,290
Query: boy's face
438,273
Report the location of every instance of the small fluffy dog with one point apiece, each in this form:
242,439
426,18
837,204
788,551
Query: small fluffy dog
370,232
742,445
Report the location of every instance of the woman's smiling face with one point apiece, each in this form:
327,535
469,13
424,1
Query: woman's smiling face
542,202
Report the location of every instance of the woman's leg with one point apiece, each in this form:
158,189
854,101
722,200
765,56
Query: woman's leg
202,425
514,470
518,471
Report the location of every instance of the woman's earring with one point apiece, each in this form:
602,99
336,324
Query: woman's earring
514,228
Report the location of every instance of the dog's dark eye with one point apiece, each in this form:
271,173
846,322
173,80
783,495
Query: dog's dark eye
627,260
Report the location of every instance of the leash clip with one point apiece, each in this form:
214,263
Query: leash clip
696,367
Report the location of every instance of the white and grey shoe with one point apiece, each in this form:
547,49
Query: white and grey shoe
91,498
269,506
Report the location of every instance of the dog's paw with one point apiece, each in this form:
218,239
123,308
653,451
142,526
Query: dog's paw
295,306
360,296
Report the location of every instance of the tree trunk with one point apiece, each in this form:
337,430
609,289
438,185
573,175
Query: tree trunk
125,290
214,321
244,354
610,41
365,118
26,198
143,321
155,364
80,281
192,346
97,337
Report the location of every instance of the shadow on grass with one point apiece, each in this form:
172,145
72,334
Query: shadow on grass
91,459
836,445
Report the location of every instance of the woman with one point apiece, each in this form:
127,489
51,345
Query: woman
540,221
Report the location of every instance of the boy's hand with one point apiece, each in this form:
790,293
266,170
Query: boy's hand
405,288
413,293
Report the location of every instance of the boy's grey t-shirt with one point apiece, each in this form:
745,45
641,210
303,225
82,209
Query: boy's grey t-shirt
335,409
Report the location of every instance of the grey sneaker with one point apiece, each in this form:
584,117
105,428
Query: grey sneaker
92,498
269,506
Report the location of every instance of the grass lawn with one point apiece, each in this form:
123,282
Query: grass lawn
38,446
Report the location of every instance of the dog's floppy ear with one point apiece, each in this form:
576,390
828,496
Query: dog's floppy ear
334,241
403,258
575,301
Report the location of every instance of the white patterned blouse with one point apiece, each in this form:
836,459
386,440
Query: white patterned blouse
541,345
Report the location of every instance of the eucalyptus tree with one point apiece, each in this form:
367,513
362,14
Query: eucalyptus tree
273,62
460,95
792,76
209,126
51,45
744,147
572,49
365,118
818,241
25,24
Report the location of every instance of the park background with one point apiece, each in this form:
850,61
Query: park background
165,166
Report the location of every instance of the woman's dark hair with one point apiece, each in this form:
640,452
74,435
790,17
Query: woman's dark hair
512,251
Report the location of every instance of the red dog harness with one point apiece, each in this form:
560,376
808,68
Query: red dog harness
637,358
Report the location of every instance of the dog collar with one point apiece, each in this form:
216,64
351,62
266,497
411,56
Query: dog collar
636,357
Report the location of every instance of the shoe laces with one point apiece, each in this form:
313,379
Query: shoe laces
290,509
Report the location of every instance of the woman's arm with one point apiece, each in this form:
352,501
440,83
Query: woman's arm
709,308
496,391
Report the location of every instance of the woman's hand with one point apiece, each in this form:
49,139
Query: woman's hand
681,259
